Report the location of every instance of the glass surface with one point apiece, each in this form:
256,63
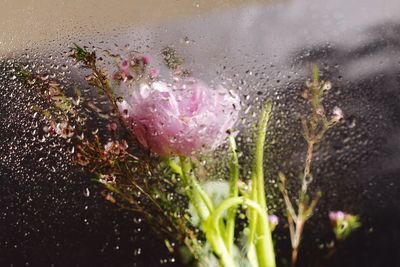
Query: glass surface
52,214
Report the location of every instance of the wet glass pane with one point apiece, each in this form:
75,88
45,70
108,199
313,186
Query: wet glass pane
53,213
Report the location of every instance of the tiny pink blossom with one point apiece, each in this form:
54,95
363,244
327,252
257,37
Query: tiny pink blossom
273,221
327,86
115,148
124,67
63,129
179,119
337,114
336,216
112,126
154,73
146,59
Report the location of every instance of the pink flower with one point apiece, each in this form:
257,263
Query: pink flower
115,148
133,66
146,59
124,67
181,118
273,221
154,73
336,216
343,224
337,114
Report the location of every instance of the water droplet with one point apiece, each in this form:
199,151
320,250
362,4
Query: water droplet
86,192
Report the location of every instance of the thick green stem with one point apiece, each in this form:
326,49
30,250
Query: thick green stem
259,155
260,233
199,199
233,192
175,167
213,232
204,209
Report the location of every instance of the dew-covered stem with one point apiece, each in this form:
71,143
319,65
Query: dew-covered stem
233,192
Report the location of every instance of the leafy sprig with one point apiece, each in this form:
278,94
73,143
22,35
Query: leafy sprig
314,129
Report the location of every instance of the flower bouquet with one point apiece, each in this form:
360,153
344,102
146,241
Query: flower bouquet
160,153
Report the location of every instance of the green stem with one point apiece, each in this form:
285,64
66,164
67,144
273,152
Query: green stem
197,196
260,233
173,165
233,202
259,155
233,192
213,232
252,215
204,209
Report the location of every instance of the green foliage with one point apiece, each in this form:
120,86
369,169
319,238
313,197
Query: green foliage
83,55
24,75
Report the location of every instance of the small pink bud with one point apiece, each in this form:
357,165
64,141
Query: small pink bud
146,59
337,114
343,224
336,216
115,148
109,197
154,73
125,64
64,130
112,126
124,68
117,76
273,221
327,86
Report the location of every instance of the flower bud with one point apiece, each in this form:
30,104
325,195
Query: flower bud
326,86
336,216
154,73
107,179
64,129
337,114
273,221
343,224
146,59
